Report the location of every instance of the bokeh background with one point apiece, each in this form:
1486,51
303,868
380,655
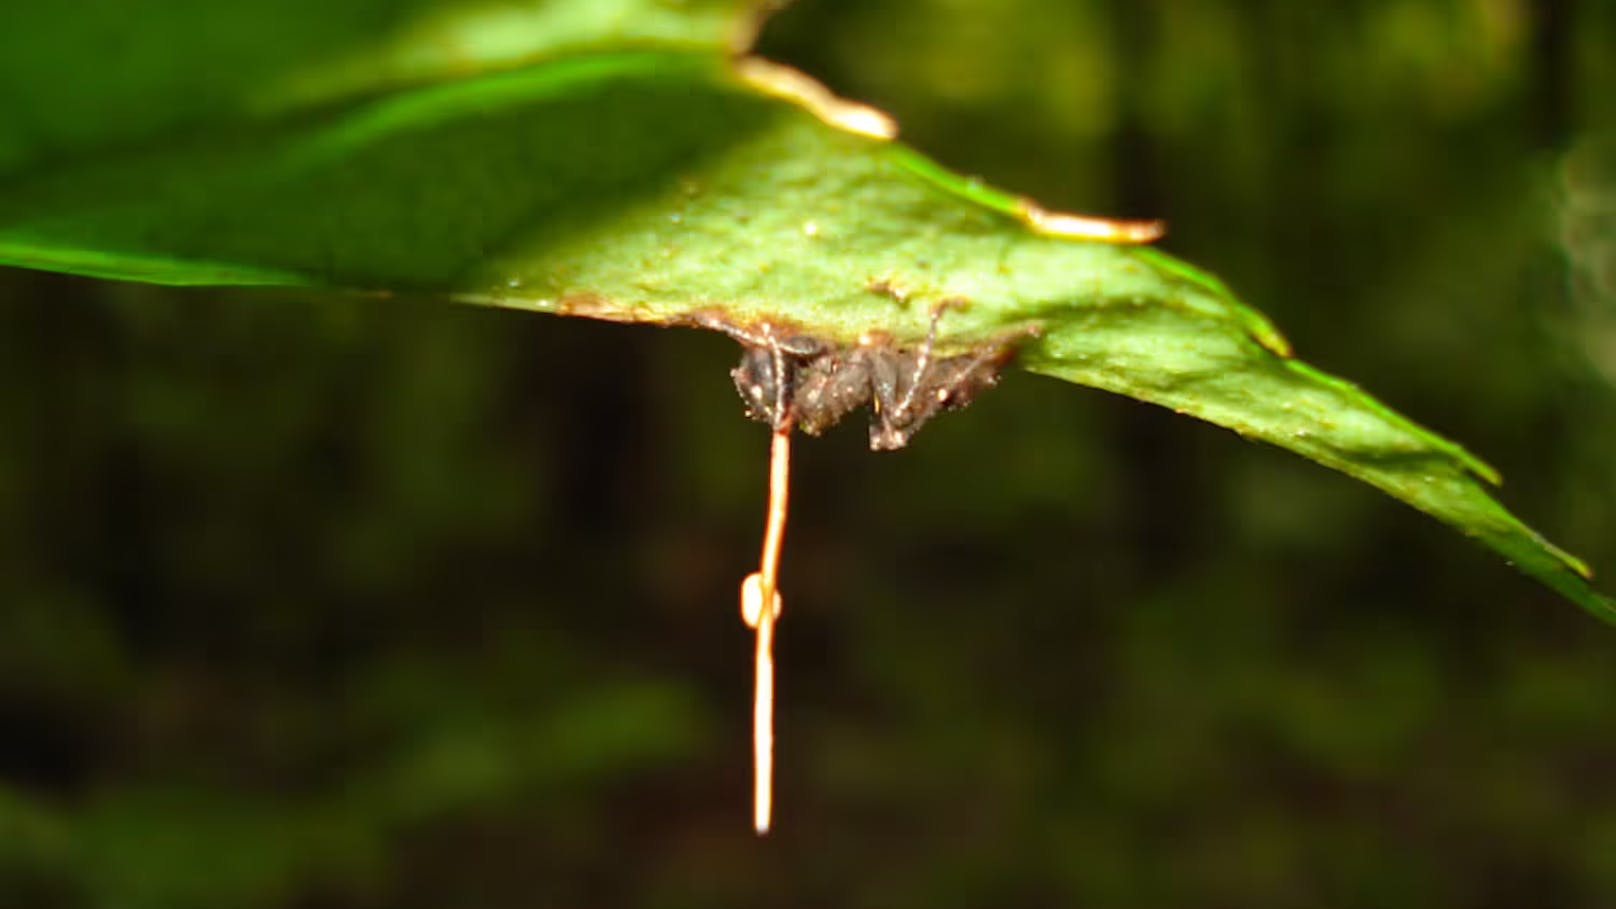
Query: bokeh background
341,603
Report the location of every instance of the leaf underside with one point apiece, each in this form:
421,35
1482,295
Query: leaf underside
642,178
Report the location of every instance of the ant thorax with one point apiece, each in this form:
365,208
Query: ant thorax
798,380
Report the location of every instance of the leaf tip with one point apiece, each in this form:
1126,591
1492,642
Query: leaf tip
1490,474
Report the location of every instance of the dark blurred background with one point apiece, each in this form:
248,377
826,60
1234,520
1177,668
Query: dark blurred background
339,603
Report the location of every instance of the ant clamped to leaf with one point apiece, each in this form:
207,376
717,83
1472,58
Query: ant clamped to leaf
793,380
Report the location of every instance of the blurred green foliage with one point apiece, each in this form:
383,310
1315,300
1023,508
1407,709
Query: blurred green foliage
387,603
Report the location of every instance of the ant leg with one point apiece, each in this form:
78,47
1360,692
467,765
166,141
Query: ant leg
901,406
769,335
922,364
883,380
714,322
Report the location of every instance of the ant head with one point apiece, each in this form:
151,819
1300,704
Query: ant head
767,375
757,380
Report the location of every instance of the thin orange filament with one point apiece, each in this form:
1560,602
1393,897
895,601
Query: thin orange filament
759,588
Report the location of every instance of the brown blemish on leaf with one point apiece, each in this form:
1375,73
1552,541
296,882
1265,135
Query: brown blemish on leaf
875,337
718,318
888,287
591,305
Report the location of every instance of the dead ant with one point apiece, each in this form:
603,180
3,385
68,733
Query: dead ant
797,380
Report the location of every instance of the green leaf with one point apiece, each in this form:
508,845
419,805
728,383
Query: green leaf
634,179
80,77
